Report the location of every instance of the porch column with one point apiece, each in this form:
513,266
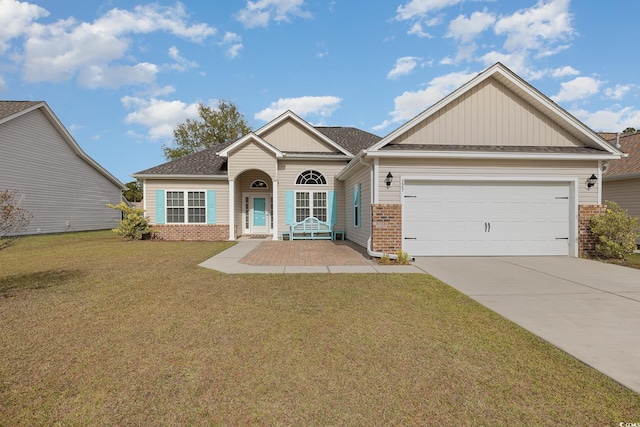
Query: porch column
274,198
232,194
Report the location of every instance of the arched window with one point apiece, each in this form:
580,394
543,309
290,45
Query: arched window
311,177
258,183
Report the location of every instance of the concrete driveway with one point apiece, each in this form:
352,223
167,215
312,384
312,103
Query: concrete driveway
588,309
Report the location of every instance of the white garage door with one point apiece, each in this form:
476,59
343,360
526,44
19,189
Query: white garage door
486,218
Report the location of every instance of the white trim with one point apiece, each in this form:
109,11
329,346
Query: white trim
232,225
573,196
295,181
247,215
144,195
274,197
180,177
375,189
317,157
599,175
185,205
489,155
245,140
257,188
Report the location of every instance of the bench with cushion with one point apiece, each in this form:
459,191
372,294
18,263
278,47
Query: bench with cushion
311,228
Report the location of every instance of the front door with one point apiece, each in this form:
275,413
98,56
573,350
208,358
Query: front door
259,223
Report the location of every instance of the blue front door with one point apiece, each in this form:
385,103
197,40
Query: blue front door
259,212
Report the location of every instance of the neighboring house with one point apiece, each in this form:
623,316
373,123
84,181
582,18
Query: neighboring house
58,183
494,168
621,182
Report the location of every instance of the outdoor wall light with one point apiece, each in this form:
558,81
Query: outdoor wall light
388,180
593,180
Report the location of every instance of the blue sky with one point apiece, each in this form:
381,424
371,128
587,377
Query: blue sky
121,75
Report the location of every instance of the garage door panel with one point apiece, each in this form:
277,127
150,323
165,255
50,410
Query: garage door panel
504,218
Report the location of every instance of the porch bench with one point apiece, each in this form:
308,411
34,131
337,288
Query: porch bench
311,228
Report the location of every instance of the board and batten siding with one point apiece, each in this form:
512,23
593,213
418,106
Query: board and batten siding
63,192
290,136
467,168
288,171
625,192
362,176
252,156
221,188
488,114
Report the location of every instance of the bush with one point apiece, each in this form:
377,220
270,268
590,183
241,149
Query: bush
133,225
616,231
403,258
13,218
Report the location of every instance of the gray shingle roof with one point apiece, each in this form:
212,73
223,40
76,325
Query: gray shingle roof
9,108
630,165
206,162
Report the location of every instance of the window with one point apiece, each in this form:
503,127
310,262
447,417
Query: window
258,183
311,177
356,205
193,203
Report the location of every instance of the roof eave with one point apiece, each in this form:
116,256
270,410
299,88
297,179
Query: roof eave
490,155
179,176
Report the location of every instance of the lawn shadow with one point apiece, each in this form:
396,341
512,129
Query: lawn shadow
37,280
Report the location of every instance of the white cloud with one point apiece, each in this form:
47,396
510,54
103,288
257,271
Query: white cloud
15,19
181,64
564,72
578,88
535,28
416,30
322,106
618,92
404,66
466,29
410,104
66,49
260,13
232,42
160,117
420,8
611,120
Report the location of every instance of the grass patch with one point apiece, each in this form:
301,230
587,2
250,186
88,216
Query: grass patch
103,331
631,260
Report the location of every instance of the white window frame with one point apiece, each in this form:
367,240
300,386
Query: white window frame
357,206
185,206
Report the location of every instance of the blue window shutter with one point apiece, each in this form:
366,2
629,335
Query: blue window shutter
332,208
160,207
211,206
358,187
290,207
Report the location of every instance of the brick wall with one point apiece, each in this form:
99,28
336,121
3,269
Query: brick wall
194,232
586,239
386,228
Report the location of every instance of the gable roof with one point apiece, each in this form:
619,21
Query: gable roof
629,166
526,92
10,110
248,138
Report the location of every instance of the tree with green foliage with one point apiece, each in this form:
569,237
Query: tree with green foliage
133,225
629,130
216,126
616,231
13,218
133,193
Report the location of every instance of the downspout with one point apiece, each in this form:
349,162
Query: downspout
372,179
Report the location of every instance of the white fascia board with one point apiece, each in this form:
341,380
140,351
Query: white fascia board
244,140
342,175
317,156
486,155
291,115
181,177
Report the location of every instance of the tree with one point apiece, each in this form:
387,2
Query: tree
216,125
133,193
629,130
616,231
13,218
133,225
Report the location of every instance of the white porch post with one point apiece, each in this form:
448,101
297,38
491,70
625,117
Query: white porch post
232,194
274,200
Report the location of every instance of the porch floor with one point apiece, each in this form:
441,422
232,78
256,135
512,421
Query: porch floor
306,253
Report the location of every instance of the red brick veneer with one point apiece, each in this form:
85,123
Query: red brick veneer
586,239
386,228
193,232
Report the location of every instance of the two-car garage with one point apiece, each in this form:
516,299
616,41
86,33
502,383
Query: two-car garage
487,218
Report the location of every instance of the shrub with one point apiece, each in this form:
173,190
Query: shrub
616,231
133,225
403,258
13,218
385,259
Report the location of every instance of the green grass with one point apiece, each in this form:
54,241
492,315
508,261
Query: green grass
100,331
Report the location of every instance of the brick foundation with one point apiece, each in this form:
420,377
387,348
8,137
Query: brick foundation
586,239
386,228
192,232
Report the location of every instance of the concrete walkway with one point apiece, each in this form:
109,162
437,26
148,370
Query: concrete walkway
588,309
242,259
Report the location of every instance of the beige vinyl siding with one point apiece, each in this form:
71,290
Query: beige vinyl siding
252,156
489,114
57,185
290,136
625,192
486,168
359,235
221,188
288,173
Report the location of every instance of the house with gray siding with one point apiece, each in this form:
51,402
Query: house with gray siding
494,168
64,188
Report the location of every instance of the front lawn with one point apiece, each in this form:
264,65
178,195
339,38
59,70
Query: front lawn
100,331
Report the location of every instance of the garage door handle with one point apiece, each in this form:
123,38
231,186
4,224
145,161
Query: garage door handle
485,227
410,238
489,227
